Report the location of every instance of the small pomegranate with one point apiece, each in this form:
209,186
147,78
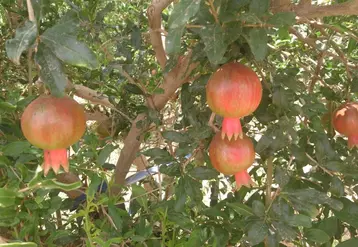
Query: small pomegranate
345,121
231,156
233,91
53,124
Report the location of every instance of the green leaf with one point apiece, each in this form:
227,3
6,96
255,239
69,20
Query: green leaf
221,237
241,209
352,45
317,235
258,208
315,197
282,19
337,187
299,220
175,136
349,213
136,38
214,40
7,107
257,40
232,32
140,194
7,197
61,39
329,225
182,12
156,152
203,173
280,97
180,219
348,243
8,217
285,231
24,244
105,153
173,40
24,38
52,184
51,70
92,189
68,24
281,177
354,85
259,7
16,148
195,238
70,50
133,88
116,214
257,232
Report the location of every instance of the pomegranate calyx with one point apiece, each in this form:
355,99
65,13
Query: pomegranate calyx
55,159
231,127
243,179
352,141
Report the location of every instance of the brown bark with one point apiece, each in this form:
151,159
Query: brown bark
172,81
306,10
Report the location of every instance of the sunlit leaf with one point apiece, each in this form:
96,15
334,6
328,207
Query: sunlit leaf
24,39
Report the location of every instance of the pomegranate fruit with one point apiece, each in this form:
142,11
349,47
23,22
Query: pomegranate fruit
53,124
231,156
233,91
345,121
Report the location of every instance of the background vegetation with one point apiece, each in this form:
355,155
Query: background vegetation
140,68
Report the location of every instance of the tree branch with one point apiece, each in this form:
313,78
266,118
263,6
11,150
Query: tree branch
314,11
154,13
309,11
30,11
172,81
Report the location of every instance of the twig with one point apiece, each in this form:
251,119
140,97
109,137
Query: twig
266,84
30,10
211,123
317,164
97,98
109,218
269,175
213,11
317,71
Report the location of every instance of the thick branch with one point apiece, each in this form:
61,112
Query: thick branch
311,11
305,9
154,14
172,81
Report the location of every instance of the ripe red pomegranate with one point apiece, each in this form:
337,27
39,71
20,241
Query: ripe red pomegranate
345,121
233,91
231,156
53,124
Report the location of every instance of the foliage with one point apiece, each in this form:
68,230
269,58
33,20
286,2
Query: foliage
306,193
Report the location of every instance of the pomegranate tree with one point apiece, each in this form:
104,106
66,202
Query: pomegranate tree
345,121
233,157
233,91
53,124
